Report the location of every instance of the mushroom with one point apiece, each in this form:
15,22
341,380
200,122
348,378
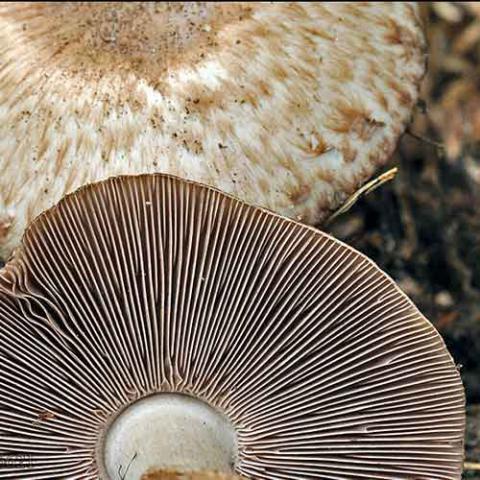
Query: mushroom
150,324
289,106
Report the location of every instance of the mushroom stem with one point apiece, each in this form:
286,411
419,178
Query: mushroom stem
172,475
167,432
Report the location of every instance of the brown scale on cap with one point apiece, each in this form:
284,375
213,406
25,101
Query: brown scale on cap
148,38
294,93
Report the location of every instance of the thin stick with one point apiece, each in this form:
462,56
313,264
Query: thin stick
426,140
472,466
124,476
364,190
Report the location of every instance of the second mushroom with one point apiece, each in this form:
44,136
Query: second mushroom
149,324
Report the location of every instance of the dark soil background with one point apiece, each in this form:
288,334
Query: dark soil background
423,228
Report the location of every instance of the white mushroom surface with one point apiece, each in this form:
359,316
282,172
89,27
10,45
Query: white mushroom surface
289,106
151,291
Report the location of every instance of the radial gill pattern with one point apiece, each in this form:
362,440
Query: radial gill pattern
148,284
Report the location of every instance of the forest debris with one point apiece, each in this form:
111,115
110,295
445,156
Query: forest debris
448,11
364,190
473,466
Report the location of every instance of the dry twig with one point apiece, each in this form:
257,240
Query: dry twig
364,190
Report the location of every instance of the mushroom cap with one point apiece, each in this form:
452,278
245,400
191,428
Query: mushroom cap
289,106
152,285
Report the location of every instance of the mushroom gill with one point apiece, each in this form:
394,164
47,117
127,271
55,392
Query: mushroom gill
150,324
290,106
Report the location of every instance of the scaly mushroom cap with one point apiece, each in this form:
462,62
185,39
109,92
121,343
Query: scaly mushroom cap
290,106
144,312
